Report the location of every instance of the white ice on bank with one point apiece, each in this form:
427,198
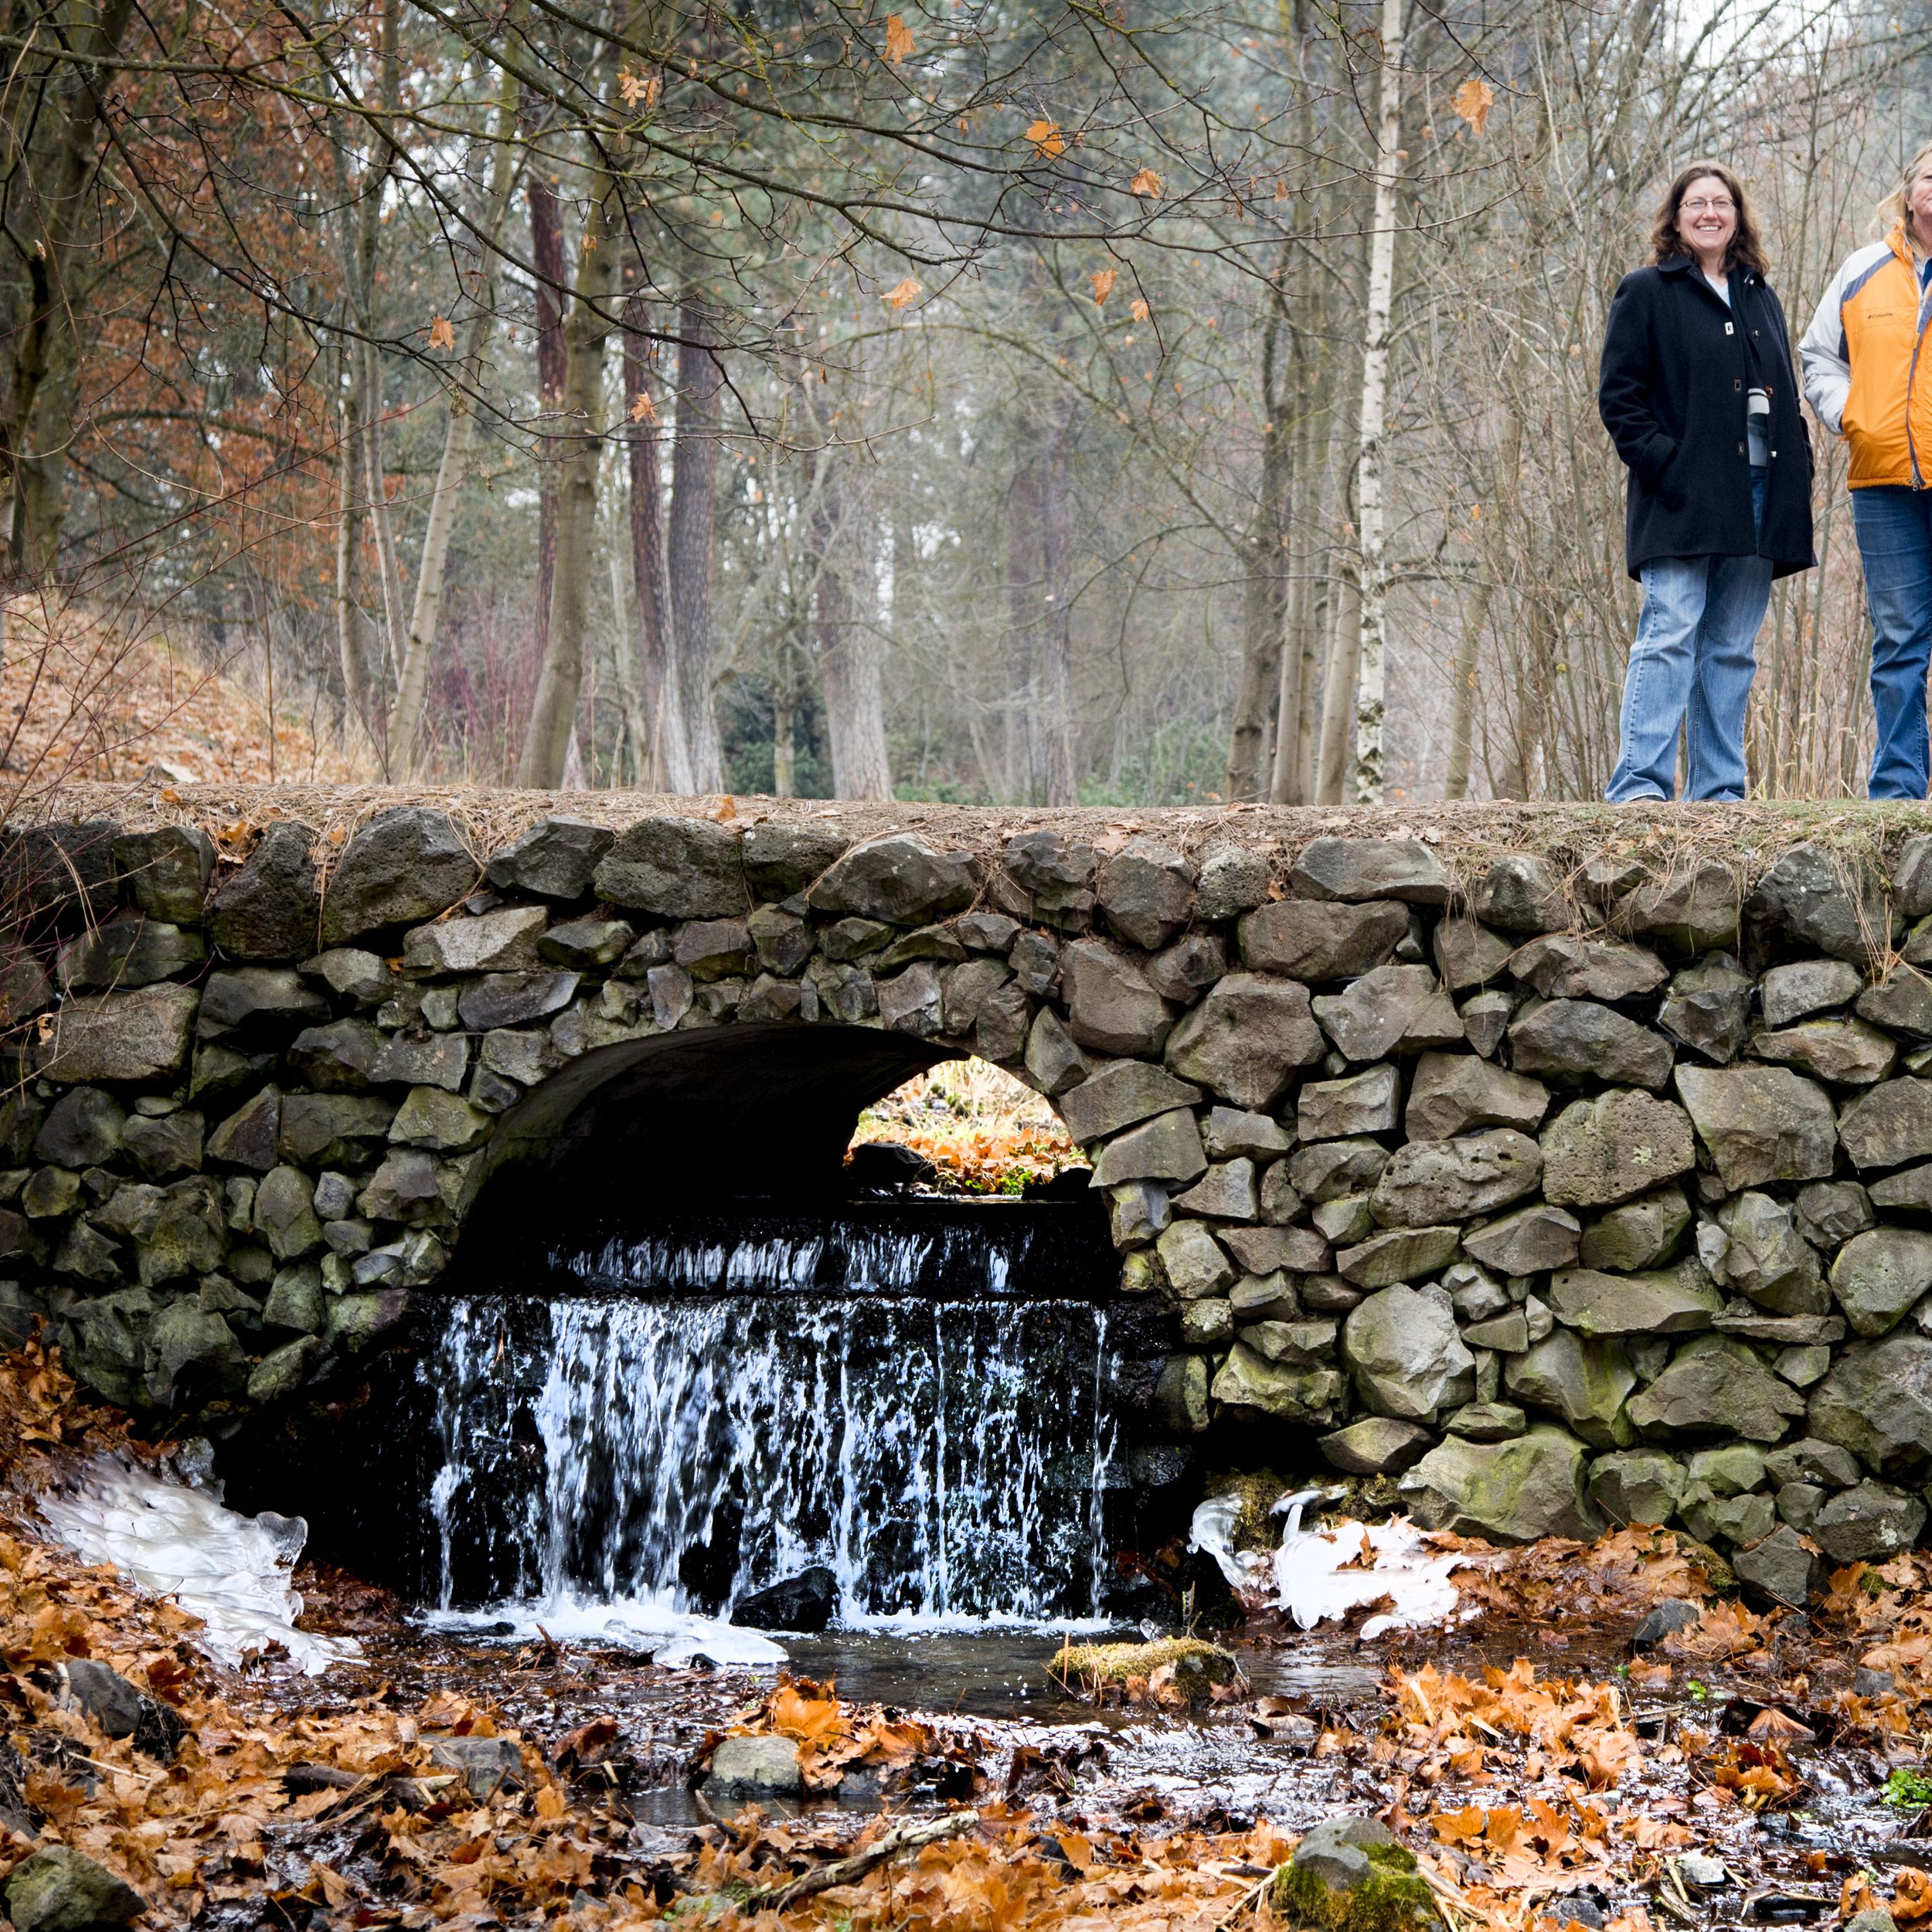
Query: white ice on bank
230,1571
1324,1573
672,1637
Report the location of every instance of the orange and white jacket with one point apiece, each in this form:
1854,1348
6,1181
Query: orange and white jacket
1868,371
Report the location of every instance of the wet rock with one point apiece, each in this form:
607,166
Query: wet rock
556,858
1760,1124
1870,1523
1146,890
1247,1380
1246,1040
1231,1130
285,1213
1840,911
498,942
1529,1242
1358,868
486,1763
192,1357
1407,1359
1831,1211
1563,966
270,909
1193,1261
165,1146
1599,1151
1510,1492
514,999
900,879
1451,1093
1717,1385
441,1060
1779,1566
353,974
339,1058
1166,1148
443,1122
405,865
1572,1038
1661,1619
1878,1276
1368,1102
282,1372
1314,940
1890,1125
1876,1402
167,871
805,1603
1376,1446
187,1235
678,868
355,1321
59,1889
1846,1051
1520,893
1468,954
1584,1381
1180,1393
1639,1486
1427,1182
1207,1324
1233,881
139,1036
295,1300
50,1192
253,1005
1403,1254
1393,1009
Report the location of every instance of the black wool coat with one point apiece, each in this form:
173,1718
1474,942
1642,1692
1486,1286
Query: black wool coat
1677,362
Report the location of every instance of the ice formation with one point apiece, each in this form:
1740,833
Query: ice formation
672,1637
1324,1573
230,1571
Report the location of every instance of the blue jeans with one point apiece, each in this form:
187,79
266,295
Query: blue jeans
1894,527
1693,653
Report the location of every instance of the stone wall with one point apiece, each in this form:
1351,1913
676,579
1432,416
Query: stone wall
1605,1196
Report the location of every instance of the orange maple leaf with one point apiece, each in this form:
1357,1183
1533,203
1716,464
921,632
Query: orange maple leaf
1047,138
907,292
442,332
898,39
1472,101
1103,281
1146,182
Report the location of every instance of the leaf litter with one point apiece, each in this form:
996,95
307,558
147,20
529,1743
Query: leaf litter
1733,1772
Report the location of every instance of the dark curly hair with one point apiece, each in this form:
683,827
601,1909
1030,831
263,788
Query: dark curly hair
1747,246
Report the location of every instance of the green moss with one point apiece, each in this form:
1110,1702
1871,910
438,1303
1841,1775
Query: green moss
1391,1899
1259,1490
1094,1667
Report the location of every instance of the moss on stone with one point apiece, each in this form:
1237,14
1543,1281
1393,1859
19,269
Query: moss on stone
1393,1897
1097,1667
1259,1490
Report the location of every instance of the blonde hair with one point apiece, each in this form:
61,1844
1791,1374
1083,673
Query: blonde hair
1891,209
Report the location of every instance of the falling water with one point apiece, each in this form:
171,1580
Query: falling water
703,1414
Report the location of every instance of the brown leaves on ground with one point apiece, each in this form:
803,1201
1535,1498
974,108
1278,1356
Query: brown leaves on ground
1910,1905
832,1735
1450,1727
1555,1581
1724,1630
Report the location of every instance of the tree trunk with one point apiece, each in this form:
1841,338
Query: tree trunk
1339,686
1372,667
546,256
60,136
665,757
692,536
1025,513
548,741
1059,772
405,729
844,596
348,633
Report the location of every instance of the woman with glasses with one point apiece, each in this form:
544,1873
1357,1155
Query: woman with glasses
1863,372
1698,392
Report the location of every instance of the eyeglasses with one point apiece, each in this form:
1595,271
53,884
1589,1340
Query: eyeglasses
1721,206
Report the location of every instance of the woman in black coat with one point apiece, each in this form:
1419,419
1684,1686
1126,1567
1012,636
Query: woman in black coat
1698,394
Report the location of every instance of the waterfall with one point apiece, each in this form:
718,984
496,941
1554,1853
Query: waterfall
925,1411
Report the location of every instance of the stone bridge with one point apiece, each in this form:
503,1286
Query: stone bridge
1562,1186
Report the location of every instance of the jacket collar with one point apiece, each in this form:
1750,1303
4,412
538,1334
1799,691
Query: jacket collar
1683,264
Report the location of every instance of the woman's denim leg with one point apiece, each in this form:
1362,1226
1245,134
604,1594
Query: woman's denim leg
1895,546
1657,686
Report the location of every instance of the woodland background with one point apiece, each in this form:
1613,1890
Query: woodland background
1037,401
